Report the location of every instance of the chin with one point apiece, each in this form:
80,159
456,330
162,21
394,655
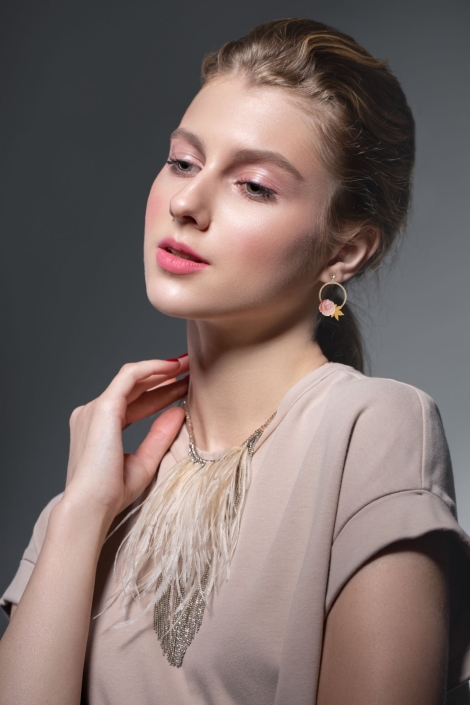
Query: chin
174,306
169,299
187,305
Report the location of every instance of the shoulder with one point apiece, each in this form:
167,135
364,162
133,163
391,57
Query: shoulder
390,427
381,398
394,438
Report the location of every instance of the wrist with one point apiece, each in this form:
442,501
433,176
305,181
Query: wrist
93,519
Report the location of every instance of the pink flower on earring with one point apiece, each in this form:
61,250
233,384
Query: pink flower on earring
327,307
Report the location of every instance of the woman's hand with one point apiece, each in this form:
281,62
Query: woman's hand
43,650
99,473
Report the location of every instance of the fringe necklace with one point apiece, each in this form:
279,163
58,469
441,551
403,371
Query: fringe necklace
188,528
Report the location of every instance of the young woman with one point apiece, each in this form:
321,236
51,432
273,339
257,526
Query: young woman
290,532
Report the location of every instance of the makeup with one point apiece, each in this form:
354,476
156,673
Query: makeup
178,258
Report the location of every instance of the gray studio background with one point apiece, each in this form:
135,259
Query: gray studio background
90,92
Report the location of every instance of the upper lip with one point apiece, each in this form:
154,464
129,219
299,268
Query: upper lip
168,242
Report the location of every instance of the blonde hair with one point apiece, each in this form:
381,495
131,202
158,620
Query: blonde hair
367,137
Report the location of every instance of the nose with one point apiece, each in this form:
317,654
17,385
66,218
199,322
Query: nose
191,205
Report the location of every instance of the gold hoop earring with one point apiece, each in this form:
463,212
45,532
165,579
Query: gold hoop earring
328,307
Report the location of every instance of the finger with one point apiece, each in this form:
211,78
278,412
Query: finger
148,384
156,399
133,372
155,381
184,362
160,384
153,401
159,438
183,365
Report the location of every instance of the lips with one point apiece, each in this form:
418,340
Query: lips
179,249
179,254
178,258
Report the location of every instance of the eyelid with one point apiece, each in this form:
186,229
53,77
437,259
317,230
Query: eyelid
172,163
267,193
261,176
181,145
186,158
257,179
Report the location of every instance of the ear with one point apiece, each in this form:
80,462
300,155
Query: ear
351,255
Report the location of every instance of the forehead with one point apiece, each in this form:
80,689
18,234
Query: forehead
229,113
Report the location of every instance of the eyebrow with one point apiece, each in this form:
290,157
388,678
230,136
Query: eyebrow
244,156
189,136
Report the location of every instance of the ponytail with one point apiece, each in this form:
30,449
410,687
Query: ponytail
340,341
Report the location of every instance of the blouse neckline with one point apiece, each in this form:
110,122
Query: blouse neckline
180,446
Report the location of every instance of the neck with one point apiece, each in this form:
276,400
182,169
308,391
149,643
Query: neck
240,373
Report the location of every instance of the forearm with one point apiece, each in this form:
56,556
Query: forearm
43,649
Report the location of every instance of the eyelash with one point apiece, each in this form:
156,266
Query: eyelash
266,194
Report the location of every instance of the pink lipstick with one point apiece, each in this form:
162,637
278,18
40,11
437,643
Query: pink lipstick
178,258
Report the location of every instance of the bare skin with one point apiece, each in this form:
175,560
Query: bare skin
386,635
250,315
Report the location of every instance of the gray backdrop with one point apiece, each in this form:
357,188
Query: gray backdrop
90,93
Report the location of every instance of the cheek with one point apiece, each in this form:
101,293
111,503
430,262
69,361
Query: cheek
281,245
157,206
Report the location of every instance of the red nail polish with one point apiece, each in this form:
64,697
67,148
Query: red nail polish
171,359
183,355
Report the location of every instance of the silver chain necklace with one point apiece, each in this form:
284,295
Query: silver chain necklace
250,442
175,636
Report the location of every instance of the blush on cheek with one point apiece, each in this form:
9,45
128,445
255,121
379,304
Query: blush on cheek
156,206
279,255
265,250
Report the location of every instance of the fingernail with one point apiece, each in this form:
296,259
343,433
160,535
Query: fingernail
183,355
171,359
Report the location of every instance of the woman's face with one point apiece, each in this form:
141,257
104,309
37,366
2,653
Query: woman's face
245,192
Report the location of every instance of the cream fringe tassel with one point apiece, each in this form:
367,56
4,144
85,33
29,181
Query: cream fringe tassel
187,531
183,540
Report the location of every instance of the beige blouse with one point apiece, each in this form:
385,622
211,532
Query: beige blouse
349,465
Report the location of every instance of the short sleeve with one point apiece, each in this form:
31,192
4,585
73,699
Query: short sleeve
398,484
14,591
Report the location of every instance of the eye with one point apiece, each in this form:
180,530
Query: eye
180,166
253,187
256,191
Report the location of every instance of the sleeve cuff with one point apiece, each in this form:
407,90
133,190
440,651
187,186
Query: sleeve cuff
13,593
